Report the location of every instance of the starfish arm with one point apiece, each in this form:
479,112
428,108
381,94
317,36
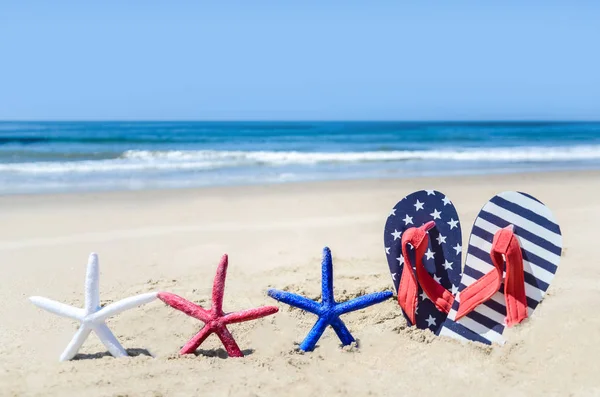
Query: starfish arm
219,287
342,332
75,344
92,285
362,301
196,341
109,340
295,300
250,314
309,343
58,308
189,308
122,305
233,350
327,278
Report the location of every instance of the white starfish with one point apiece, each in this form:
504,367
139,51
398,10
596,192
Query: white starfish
92,316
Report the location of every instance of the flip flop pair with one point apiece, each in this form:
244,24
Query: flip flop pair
513,254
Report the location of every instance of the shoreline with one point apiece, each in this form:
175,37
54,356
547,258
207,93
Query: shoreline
294,185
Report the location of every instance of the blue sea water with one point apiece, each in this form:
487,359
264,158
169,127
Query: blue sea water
66,156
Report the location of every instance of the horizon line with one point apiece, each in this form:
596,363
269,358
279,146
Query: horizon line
296,121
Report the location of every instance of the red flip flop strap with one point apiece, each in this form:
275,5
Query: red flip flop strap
479,292
514,287
514,283
408,288
440,296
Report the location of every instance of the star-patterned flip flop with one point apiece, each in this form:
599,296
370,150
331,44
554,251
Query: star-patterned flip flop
513,254
430,221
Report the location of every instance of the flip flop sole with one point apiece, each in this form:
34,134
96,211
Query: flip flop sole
541,245
443,260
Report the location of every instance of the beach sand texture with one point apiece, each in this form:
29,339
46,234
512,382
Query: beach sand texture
172,240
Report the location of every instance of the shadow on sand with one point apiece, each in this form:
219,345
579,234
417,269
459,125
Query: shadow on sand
220,352
131,352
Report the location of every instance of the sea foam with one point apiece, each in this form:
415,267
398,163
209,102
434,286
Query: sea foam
166,160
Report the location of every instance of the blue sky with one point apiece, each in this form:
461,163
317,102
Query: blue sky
225,60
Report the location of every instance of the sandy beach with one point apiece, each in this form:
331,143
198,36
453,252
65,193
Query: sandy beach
172,240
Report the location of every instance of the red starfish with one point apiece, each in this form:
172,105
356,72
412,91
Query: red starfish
215,319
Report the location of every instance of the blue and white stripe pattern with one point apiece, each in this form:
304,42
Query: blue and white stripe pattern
541,245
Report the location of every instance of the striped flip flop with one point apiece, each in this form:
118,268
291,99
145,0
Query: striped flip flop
513,254
423,230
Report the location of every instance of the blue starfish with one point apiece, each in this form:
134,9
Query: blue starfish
329,311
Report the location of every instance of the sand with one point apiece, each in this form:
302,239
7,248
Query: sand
172,240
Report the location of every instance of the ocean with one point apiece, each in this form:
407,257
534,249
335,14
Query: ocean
39,157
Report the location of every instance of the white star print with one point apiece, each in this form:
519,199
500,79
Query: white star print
423,295
454,289
429,254
394,276
452,223
410,246
417,309
408,219
441,239
436,214
430,321
447,265
396,234
387,250
392,212
400,259
437,279
458,249
430,192
446,201
92,317
418,205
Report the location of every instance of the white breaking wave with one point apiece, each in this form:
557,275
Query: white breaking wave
142,160
561,153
